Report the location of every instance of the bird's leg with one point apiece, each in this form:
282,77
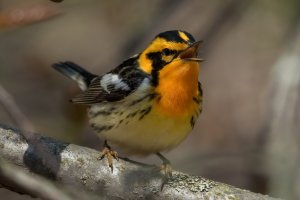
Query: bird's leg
109,154
166,166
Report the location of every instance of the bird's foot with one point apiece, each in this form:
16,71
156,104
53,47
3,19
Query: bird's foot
166,169
109,154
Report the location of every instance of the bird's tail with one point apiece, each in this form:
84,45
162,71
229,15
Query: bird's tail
76,73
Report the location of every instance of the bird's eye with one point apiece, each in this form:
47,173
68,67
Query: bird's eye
166,52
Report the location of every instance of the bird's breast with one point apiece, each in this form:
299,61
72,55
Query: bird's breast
178,85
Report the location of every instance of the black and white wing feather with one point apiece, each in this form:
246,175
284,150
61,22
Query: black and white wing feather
113,86
76,73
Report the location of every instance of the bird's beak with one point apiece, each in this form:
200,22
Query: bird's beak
191,53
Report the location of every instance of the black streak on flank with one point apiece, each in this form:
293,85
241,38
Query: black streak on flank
102,112
200,110
101,128
147,111
95,114
200,89
192,121
152,96
196,100
140,99
158,98
132,114
127,116
144,112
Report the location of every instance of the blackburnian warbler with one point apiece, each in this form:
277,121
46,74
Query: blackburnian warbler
147,104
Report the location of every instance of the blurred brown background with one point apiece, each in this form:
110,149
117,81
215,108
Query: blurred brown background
248,133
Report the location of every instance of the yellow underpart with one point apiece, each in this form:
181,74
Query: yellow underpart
183,36
178,84
155,133
157,45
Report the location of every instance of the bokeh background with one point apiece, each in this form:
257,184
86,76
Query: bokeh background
248,133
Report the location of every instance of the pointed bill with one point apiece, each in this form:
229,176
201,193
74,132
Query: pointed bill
191,53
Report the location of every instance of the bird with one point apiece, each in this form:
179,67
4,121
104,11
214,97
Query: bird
149,103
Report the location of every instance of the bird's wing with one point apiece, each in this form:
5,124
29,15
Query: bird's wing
113,86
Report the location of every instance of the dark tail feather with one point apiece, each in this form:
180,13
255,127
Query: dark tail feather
75,72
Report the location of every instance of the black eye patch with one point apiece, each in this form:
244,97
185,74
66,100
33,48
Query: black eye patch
157,62
168,52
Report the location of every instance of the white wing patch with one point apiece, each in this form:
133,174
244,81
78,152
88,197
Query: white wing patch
145,84
113,80
80,81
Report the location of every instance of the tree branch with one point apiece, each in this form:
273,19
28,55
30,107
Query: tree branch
20,182
80,167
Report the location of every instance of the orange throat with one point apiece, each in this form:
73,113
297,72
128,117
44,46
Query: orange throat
178,85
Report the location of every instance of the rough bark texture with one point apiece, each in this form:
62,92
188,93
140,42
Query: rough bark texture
80,167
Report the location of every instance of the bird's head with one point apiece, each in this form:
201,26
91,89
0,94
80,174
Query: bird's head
168,47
